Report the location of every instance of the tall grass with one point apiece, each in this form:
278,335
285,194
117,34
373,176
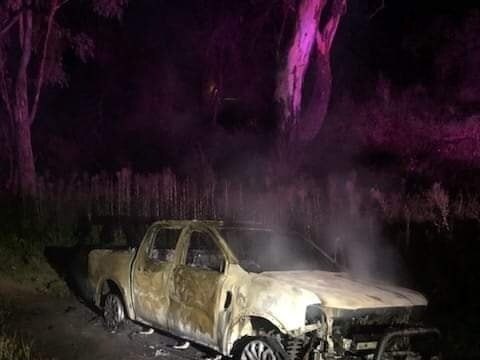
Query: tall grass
13,347
304,204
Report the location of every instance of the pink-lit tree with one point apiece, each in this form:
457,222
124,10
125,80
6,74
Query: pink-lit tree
32,42
309,50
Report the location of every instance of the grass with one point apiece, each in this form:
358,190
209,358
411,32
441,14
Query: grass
25,264
13,347
31,271
23,238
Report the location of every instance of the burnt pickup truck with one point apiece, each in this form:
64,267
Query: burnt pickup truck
255,294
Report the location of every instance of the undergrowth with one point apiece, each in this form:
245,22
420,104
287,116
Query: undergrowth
22,252
13,346
27,265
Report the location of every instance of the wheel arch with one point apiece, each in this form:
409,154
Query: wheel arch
107,285
250,325
104,287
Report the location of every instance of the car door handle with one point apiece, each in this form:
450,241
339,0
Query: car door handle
228,300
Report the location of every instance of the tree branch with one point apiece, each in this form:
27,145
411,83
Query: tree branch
21,34
377,10
21,83
9,24
325,36
4,91
61,4
41,70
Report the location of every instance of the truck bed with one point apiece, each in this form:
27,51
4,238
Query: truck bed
111,265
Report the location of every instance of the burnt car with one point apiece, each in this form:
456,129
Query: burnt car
253,293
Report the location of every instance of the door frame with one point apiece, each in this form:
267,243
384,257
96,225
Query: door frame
181,254
142,256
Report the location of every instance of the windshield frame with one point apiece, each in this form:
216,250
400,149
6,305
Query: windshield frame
332,264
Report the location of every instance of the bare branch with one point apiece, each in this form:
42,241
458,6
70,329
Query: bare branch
9,24
377,10
21,34
61,4
41,70
325,36
4,91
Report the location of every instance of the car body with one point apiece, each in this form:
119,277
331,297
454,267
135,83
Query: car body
225,287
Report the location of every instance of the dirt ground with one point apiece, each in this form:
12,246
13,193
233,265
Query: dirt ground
67,329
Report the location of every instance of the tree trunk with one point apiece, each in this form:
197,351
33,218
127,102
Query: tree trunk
317,21
24,158
23,153
316,105
21,109
10,152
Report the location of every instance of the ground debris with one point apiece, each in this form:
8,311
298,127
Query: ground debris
156,351
161,352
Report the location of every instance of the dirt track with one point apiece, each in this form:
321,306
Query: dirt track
67,329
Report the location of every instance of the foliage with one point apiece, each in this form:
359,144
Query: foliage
33,42
409,134
110,8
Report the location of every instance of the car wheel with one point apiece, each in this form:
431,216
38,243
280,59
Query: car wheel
259,348
113,312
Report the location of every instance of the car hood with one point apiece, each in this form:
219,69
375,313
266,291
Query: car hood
342,291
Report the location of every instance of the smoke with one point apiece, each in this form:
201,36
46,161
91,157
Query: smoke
355,233
358,244
339,214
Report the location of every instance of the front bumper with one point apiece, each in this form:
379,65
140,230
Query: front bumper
383,353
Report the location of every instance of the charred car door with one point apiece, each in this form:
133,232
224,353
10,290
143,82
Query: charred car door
151,275
197,287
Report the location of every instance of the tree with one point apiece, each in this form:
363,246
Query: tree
32,43
302,112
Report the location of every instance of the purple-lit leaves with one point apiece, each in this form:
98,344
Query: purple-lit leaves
13,5
83,46
110,8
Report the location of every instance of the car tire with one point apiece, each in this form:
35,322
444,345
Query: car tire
259,348
113,312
